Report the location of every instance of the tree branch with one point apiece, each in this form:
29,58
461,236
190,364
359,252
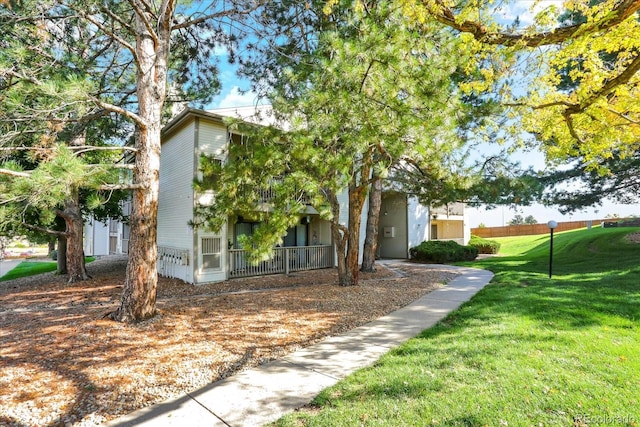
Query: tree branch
110,187
143,17
624,116
45,230
119,110
113,165
87,148
81,148
610,85
165,15
221,14
108,32
606,89
569,121
445,15
14,173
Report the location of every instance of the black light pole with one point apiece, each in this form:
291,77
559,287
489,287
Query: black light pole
552,225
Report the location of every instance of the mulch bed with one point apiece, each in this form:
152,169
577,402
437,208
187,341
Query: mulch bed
64,364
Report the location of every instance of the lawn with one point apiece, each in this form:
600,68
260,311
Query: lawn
31,268
525,351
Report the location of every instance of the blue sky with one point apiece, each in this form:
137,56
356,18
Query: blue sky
231,96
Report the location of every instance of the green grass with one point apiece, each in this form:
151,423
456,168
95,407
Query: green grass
525,351
31,268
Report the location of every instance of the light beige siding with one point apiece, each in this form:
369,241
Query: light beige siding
211,247
212,138
175,206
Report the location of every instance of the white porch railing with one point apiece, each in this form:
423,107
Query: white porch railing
172,262
284,260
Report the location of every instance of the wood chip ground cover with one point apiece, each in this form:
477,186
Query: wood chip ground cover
63,364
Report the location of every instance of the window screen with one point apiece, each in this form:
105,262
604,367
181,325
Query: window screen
211,253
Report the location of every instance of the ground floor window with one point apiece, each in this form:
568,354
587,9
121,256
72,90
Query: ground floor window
296,236
211,253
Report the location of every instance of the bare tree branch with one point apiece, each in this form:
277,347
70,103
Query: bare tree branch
108,32
119,110
114,166
110,187
86,148
204,18
14,173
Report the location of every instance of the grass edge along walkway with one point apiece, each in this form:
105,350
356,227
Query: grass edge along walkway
31,268
525,351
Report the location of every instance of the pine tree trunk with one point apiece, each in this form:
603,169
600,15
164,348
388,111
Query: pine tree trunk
76,268
138,301
340,235
75,265
348,238
62,255
356,202
373,217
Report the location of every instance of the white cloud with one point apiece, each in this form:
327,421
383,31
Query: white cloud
234,98
525,11
220,51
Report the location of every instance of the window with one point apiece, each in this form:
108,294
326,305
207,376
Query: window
211,253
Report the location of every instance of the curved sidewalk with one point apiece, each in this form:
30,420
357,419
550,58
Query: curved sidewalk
263,394
6,265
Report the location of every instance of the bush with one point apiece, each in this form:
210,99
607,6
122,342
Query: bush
442,251
53,255
484,246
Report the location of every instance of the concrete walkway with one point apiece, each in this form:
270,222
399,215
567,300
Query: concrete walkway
7,265
261,395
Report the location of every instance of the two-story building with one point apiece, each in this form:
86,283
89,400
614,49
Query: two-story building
202,256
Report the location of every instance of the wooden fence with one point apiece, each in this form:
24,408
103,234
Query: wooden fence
529,229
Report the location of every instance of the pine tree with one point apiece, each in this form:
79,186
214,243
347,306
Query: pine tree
122,56
355,90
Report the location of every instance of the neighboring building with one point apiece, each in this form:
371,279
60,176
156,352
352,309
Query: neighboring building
450,223
107,238
405,223
200,256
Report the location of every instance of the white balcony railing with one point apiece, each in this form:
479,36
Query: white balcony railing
172,262
265,195
284,260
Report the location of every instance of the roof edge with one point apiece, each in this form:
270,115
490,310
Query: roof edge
185,115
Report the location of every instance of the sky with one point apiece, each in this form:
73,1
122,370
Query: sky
234,94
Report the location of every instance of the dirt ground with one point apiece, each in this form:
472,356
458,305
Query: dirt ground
63,364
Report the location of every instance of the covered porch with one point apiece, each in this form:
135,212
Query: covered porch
306,246
283,261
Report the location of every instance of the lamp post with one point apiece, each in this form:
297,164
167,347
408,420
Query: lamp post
552,225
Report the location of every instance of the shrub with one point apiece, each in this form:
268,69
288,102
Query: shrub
484,246
53,255
442,251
